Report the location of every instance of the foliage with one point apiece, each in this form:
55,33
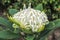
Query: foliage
51,8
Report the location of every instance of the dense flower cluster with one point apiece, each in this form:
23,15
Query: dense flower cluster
31,19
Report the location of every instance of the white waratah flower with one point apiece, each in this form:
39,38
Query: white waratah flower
31,20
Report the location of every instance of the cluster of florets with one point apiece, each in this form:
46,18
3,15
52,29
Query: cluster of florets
32,20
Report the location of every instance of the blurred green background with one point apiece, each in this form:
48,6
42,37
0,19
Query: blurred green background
51,7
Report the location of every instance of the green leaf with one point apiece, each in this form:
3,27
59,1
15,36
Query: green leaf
6,34
30,37
12,11
44,38
57,23
1,28
2,39
51,26
43,35
39,7
5,22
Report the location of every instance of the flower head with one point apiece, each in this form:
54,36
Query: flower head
31,20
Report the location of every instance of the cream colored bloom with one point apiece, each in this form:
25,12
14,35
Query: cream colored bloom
33,20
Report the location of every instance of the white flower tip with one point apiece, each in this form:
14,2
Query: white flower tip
24,6
20,9
29,5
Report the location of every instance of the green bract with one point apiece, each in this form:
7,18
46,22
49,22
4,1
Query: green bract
29,20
